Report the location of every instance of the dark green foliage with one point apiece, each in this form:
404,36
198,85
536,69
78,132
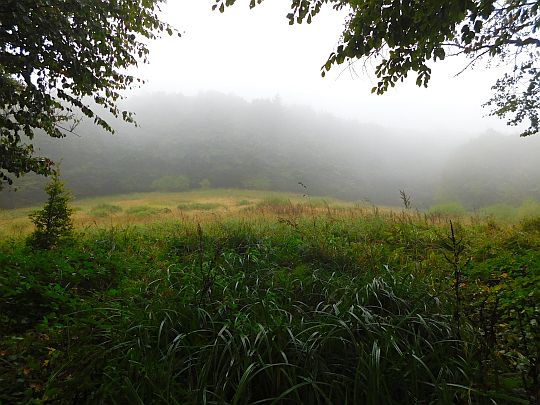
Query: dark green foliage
502,298
54,56
53,222
345,342
332,157
143,210
104,210
305,310
42,285
198,206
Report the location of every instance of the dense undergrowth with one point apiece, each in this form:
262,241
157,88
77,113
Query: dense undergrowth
371,308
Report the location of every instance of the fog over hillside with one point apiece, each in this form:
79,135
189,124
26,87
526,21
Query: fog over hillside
221,140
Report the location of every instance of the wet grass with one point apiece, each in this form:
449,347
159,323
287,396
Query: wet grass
280,303
190,206
124,210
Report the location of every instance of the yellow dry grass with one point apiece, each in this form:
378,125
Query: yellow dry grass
214,203
202,206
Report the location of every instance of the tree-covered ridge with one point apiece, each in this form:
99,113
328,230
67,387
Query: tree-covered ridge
213,140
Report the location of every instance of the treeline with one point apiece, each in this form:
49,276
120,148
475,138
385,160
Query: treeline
214,140
492,169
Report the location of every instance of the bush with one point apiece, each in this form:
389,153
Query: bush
143,211
171,183
449,208
53,223
198,206
205,184
273,202
104,210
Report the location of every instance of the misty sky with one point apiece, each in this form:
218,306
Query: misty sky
256,54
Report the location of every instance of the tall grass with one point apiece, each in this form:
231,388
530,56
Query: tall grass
284,303
235,328
324,358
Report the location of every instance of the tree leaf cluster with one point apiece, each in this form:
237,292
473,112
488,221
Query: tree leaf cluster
55,56
405,37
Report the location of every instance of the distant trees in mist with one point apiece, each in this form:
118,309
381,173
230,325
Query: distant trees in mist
213,140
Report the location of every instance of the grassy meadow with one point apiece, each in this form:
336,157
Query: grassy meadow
143,208
246,297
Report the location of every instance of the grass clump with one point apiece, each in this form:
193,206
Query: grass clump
198,206
274,202
448,208
104,210
531,224
341,340
144,210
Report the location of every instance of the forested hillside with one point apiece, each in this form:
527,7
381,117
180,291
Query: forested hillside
216,140
493,169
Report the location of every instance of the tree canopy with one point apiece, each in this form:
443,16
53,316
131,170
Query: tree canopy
59,60
404,36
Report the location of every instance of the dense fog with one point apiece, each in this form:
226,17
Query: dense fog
216,140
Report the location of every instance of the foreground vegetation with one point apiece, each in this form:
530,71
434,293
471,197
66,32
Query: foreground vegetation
273,302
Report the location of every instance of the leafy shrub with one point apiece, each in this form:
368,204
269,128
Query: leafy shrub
204,184
144,210
198,206
53,223
104,210
448,208
171,183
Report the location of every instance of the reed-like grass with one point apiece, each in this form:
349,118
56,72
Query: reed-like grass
252,338
282,303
